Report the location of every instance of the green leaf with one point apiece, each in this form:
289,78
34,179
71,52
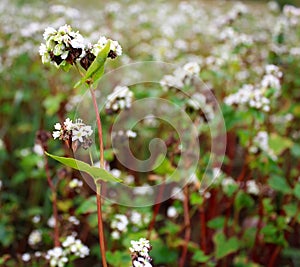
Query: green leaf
279,184
163,166
96,70
216,223
118,258
225,247
196,199
52,103
295,150
243,200
269,230
290,209
87,206
278,144
199,256
297,191
96,173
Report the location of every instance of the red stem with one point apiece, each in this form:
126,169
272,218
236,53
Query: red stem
187,226
274,256
98,186
54,202
156,208
203,229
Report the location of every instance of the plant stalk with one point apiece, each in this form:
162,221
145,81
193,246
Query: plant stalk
98,184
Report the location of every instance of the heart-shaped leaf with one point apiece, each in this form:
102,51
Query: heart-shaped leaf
96,173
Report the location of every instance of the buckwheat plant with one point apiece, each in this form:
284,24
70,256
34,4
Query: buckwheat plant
65,48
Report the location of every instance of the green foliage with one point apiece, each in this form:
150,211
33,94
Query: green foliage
96,173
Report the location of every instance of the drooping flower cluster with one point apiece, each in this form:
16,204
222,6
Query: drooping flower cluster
120,98
74,134
65,47
258,96
140,253
59,256
181,76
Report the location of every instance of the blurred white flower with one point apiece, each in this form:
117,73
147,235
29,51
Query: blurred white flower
35,237
252,187
172,212
119,222
74,183
51,222
26,257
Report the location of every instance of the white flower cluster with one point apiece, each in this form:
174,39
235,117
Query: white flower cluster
34,238
271,79
235,38
252,187
121,133
258,96
64,47
75,247
181,76
120,98
140,253
261,142
115,48
59,256
119,225
198,102
77,131
292,13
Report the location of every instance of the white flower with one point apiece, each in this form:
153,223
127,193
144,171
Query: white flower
26,257
119,222
252,187
56,134
68,124
35,237
120,98
172,212
114,46
131,134
38,149
51,222
73,220
115,235
78,135
116,173
75,183
136,218
68,241
49,31
192,68
177,193
36,219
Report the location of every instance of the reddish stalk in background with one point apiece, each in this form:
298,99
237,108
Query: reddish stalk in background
156,208
187,225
